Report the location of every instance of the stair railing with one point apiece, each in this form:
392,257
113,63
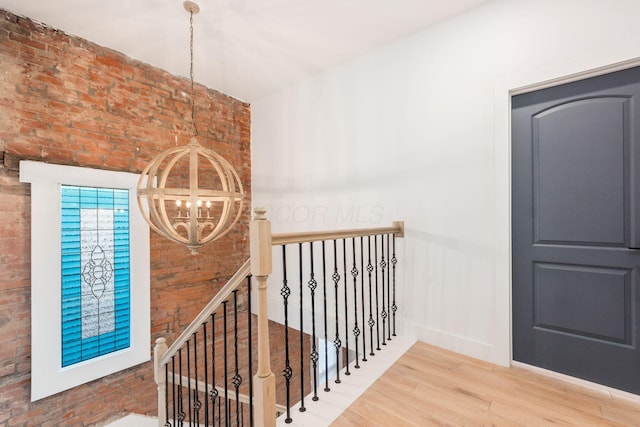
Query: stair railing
353,270
207,353
338,301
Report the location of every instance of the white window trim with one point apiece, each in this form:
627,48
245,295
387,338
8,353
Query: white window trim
47,374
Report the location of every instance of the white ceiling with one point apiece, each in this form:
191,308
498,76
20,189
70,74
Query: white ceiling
244,48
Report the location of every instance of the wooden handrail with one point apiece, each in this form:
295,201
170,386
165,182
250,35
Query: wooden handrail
213,305
314,236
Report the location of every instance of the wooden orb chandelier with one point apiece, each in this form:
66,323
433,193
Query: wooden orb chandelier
190,195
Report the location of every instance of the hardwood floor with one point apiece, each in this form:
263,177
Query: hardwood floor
429,386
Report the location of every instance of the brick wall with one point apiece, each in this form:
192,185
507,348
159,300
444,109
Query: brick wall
68,101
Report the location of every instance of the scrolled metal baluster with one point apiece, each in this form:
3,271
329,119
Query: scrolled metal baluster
181,415
370,322
336,278
214,391
173,388
287,372
206,374
364,328
220,411
250,352
226,366
326,339
394,307
346,306
313,284
237,379
354,273
383,313
375,259
388,291
189,382
302,407
166,395
196,398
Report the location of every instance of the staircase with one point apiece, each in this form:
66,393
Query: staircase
331,300
330,405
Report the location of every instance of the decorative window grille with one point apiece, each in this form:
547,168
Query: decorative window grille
90,297
95,272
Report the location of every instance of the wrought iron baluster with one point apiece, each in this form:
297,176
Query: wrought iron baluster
354,273
250,352
196,397
214,391
206,374
225,358
189,382
383,313
237,379
173,388
375,258
287,372
388,291
302,407
371,322
220,412
166,395
346,307
336,278
326,339
394,307
181,414
313,284
364,328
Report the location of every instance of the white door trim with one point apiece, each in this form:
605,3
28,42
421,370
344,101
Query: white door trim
581,75
504,88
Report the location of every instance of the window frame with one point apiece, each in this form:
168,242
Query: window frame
47,374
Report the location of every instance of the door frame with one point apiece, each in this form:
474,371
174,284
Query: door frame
504,89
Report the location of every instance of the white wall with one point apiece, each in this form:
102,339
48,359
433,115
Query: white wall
418,130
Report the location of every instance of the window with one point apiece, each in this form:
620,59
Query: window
95,272
90,275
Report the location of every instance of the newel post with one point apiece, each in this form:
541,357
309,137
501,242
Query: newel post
158,351
264,380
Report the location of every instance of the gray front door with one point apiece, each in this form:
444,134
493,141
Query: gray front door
575,224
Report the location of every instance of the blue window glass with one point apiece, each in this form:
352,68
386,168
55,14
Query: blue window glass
95,269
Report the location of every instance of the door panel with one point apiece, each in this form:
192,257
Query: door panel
583,301
575,179
579,166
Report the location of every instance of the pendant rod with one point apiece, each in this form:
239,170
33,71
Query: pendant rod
192,8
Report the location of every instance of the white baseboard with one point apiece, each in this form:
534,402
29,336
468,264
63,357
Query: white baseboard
455,343
607,392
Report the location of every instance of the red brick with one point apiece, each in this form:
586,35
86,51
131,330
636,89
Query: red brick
60,114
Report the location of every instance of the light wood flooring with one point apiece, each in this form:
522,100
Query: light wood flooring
434,387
